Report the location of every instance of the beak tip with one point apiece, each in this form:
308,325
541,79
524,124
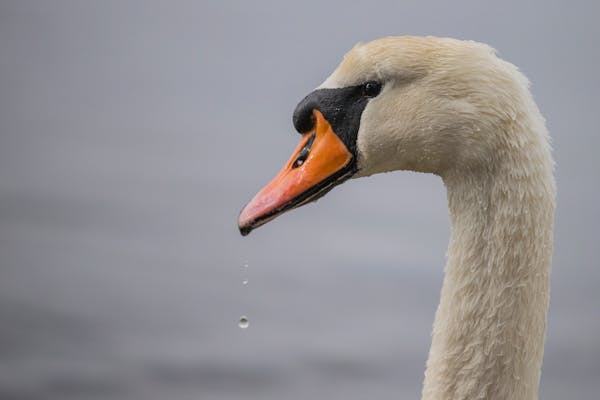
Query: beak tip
245,222
245,230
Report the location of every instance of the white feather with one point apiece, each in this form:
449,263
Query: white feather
453,108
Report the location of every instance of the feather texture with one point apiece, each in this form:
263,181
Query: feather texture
453,108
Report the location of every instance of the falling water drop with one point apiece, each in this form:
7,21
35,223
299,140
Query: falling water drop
245,273
243,321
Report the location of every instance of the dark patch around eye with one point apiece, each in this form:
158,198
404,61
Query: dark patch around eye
341,107
371,88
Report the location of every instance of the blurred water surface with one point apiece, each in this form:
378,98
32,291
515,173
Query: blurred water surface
132,133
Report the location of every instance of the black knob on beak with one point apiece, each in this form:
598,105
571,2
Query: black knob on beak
303,117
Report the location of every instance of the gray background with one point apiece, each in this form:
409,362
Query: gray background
132,133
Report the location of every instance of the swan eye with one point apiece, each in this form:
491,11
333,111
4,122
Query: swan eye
371,88
303,154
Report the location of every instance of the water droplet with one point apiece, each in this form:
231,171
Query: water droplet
243,322
245,273
513,115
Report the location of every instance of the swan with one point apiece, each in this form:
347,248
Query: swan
451,108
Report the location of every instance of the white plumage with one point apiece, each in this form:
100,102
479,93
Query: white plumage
454,109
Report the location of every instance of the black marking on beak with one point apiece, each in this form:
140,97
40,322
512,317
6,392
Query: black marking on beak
341,107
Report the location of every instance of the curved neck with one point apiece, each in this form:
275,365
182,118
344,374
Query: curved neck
489,329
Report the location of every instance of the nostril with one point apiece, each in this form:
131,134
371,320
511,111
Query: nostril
303,154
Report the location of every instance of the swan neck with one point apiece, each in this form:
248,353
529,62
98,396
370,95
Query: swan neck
489,329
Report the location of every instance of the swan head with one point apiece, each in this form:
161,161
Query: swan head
424,104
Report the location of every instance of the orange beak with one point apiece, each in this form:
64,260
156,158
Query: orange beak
320,162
